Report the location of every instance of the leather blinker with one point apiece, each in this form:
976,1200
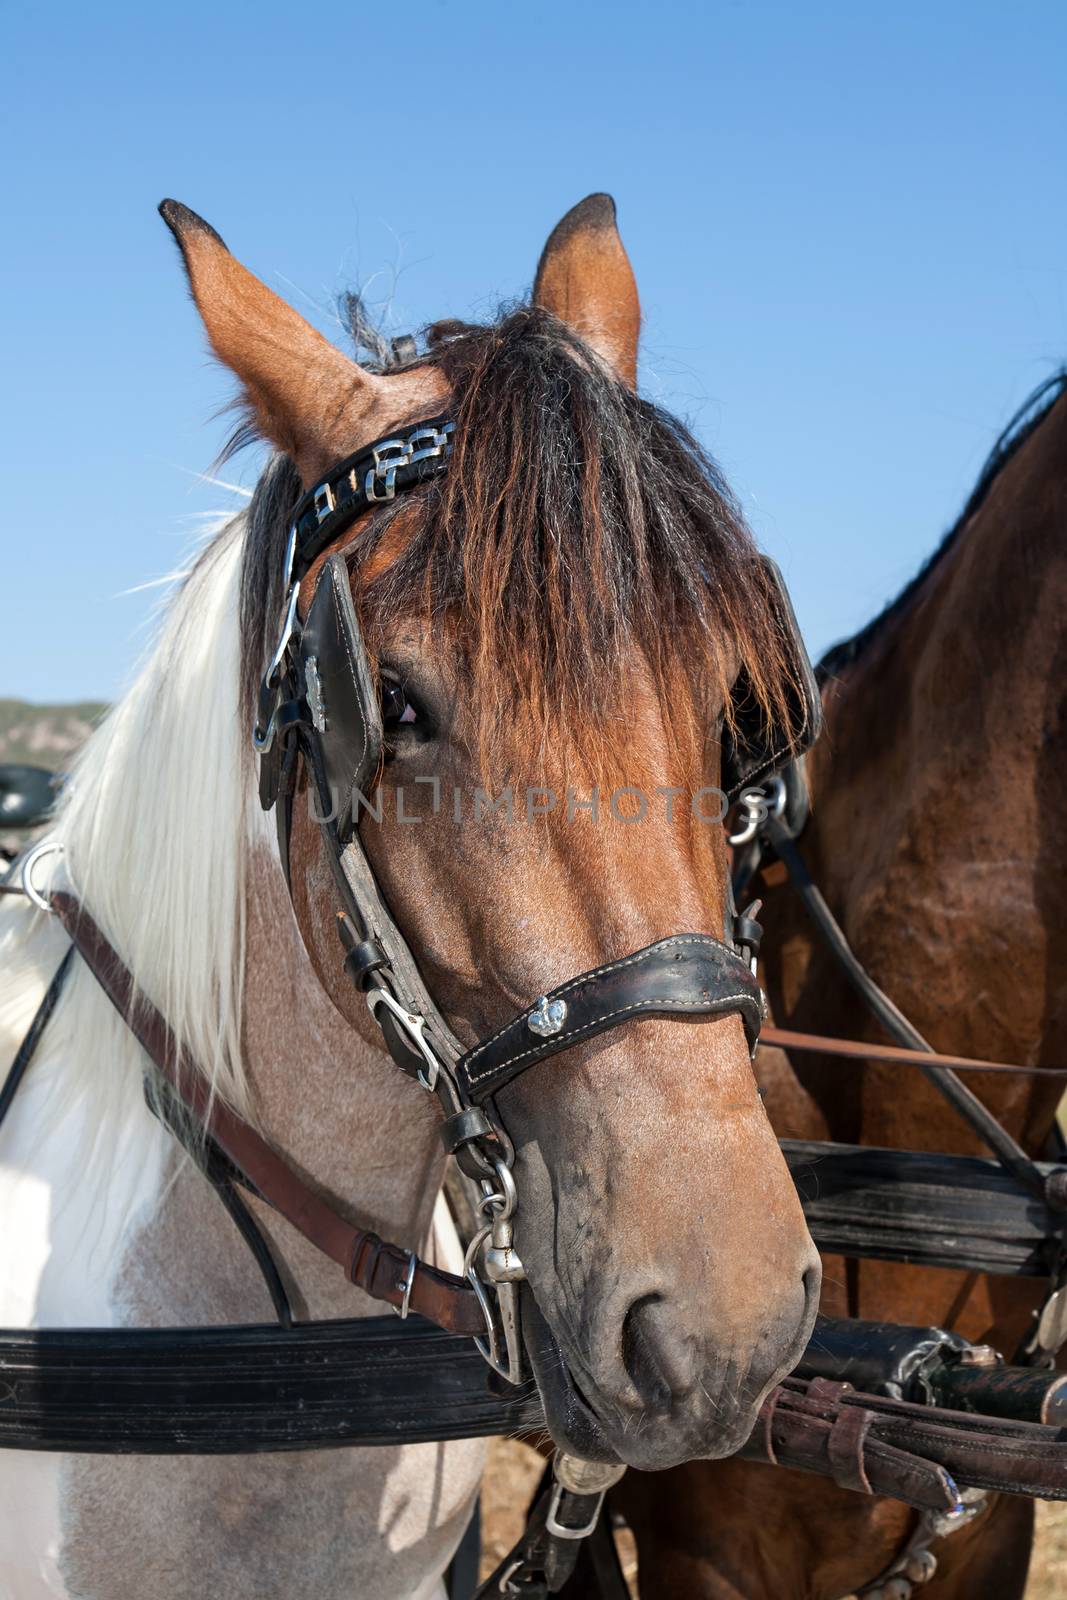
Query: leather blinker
753,751
342,703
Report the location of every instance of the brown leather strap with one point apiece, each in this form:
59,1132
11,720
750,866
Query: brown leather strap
861,1050
845,1446
378,1268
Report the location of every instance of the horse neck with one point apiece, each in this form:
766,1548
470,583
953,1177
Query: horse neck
341,1111
166,845
937,832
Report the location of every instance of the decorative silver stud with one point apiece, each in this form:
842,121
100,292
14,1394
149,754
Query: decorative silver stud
547,1017
316,702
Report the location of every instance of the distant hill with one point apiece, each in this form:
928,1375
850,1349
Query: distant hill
45,736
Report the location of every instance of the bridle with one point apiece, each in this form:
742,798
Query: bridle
319,709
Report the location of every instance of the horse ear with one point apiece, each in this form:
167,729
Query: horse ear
307,397
585,278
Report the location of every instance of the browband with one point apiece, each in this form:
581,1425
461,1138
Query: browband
375,474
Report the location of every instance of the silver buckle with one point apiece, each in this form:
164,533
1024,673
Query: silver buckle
405,1305
558,1529
414,1027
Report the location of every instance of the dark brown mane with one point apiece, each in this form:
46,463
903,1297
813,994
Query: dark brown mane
577,525
1029,417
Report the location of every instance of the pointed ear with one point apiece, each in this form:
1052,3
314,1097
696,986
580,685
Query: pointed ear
307,397
585,278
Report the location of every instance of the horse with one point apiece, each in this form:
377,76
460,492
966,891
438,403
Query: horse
936,835
569,608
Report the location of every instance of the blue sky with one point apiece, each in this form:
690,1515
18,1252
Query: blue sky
847,221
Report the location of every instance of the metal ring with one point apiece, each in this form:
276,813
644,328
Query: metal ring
290,554
262,742
760,803
505,1586
750,828
508,1196
560,1530
39,851
777,787
287,630
489,1352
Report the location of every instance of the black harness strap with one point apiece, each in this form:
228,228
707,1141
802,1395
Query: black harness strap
245,1390
375,474
28,1048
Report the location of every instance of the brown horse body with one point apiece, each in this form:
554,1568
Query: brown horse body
939,837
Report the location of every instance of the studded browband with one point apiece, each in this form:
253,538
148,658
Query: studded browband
364,480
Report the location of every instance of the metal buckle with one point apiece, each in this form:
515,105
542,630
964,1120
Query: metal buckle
384,470
405,1305
414,1027
559,1530
441,442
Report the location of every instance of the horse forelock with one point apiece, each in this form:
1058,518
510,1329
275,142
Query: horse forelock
577,527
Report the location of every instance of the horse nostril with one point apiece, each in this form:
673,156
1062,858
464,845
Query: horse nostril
812,1281
639,1355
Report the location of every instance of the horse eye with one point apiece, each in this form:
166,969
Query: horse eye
396,708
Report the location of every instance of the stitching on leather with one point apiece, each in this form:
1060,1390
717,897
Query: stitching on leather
600,972
566,1039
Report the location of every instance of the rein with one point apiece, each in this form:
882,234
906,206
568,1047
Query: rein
894,1055
383,1271
769,826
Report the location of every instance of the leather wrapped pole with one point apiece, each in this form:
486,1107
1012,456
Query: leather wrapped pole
915,1453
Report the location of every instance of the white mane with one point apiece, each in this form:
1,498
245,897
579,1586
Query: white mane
155,825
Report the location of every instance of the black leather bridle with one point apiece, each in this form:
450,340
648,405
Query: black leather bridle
319,708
